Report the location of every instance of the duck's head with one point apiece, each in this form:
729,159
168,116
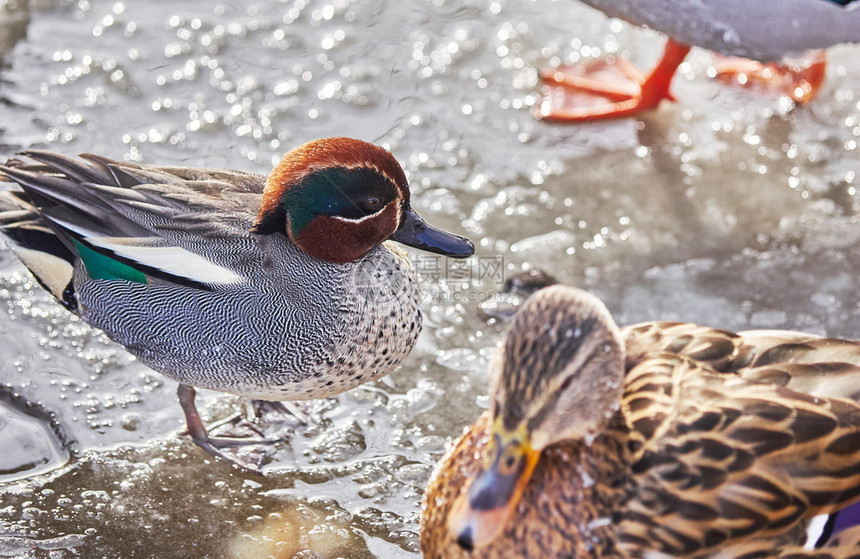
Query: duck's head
558,377
337,198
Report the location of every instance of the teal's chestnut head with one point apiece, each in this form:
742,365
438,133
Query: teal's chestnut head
337,198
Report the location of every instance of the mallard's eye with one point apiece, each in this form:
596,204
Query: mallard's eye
372,203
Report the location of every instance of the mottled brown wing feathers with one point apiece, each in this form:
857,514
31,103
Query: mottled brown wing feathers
720,459
815,366
845,545
802,362
720,349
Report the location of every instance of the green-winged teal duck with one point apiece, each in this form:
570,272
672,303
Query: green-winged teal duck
275,288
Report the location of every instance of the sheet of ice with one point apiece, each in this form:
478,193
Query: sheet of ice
726,208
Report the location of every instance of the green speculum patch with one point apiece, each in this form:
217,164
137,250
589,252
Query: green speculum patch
104,267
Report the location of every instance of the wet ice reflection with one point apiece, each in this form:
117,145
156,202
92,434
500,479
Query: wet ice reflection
726,208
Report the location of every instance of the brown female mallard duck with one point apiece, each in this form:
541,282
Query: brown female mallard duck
658,440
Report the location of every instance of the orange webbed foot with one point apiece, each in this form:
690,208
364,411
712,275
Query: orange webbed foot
800,83
611,88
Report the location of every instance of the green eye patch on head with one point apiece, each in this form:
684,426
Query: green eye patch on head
338,192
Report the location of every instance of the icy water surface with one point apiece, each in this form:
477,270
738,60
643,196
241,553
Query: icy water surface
728,208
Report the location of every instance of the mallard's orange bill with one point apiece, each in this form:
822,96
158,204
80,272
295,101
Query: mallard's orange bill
479,514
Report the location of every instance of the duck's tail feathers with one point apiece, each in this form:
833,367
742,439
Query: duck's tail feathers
38,247
45,220
57,181
83,202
